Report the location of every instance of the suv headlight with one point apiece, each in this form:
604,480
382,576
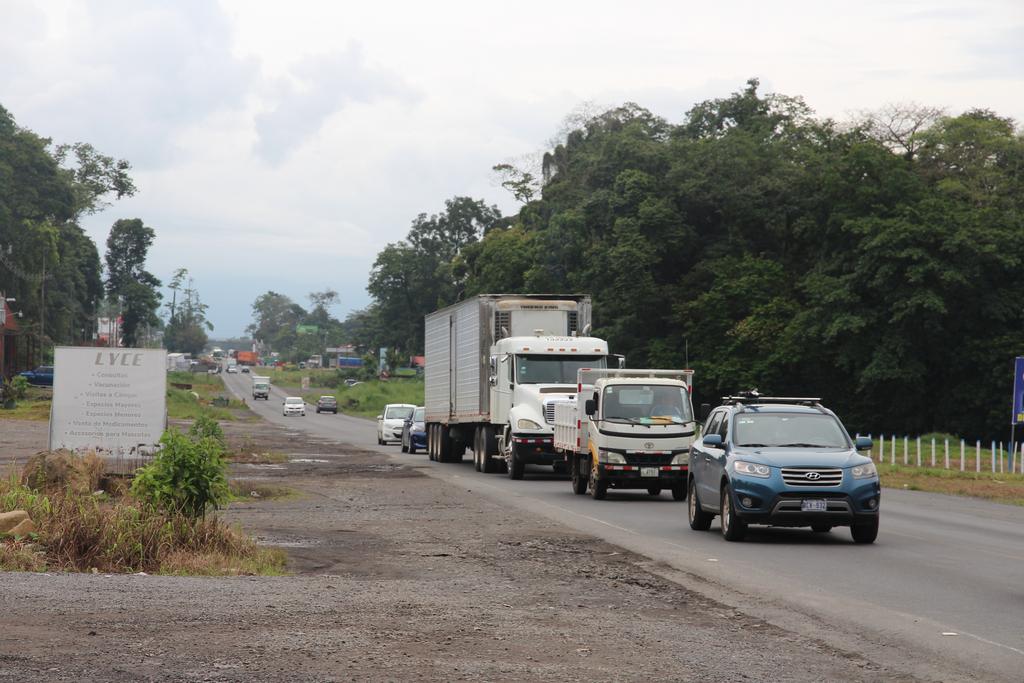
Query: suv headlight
751,469
523,423
611,458
681,458
865,471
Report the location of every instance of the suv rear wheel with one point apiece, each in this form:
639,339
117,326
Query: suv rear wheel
733,528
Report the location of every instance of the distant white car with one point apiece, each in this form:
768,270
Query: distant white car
233,368
293,405
391,422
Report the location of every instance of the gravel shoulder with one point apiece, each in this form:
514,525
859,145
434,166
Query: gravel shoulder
396,576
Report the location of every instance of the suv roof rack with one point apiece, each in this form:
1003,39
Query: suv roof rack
752,396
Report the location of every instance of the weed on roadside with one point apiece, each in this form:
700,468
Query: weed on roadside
250,490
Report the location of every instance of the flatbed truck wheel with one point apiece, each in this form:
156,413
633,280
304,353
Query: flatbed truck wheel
579,480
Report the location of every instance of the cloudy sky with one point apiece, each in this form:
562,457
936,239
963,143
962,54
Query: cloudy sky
282,145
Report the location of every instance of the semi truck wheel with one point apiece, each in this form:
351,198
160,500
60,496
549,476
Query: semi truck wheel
444,445
488,447
514,462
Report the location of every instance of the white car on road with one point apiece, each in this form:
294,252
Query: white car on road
391,421
293,405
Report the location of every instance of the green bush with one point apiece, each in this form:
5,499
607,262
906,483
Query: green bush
19,387
205,427
187,476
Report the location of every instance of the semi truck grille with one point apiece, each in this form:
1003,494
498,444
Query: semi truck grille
549,412
811,476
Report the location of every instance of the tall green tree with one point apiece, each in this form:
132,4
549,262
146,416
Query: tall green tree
187,325
128,281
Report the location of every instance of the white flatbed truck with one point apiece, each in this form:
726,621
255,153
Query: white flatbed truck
628,429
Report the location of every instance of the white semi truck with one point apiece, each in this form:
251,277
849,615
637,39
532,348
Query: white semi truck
495,367
628,429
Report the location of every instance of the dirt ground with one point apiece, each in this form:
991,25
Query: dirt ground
396,576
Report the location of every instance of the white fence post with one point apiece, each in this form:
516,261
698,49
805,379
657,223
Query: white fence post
892,456
947,455
993,456
963,454
919,451
881,448
977,458
933,451
906,449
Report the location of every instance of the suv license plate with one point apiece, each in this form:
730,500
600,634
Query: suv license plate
648,471
813,505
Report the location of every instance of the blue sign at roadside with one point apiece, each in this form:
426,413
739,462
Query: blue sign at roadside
1018,391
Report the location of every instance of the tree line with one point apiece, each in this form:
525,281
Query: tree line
52,268
876,263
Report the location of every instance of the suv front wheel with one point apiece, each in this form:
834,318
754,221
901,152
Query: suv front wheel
733,528
865,532
699,520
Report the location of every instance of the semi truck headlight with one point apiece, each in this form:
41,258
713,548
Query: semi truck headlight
865,471
751,469
611,458
681,458
523,423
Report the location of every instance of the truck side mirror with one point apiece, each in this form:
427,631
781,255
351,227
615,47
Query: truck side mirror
705,410
590,406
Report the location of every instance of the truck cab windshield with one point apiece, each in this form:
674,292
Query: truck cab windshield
543,369
646,404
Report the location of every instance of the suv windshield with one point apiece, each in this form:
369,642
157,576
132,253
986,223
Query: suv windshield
538,369
647,404
789,429
419,415
398,413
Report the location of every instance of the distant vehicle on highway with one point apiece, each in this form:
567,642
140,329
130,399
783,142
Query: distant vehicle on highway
293,405
414,431
352,382
245,369
781,462
327,404
232,369
392,420
41,376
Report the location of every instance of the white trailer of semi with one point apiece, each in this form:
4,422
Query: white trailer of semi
628,429
495,366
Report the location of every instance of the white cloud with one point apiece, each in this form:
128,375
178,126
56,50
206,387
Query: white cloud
282,145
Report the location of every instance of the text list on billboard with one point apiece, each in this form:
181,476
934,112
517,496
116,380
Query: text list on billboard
112,400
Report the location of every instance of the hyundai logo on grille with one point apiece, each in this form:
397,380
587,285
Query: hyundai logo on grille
813,475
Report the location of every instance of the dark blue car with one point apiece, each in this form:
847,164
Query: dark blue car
781,462
414,432
41,376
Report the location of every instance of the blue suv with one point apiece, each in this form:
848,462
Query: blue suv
781,462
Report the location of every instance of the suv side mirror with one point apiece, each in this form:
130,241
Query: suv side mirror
380,417
863,443
713,440
705,410
590,406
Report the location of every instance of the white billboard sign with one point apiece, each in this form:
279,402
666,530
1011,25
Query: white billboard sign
111,400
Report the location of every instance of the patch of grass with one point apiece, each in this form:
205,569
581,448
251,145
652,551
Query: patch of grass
78,532
256,457
248,490
183,405
1003,488
35,406
369,398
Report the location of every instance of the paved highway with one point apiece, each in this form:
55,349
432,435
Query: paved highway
940,593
